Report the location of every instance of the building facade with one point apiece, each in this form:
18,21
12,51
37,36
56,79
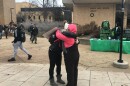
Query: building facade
48,14
7,11
20,5
86,11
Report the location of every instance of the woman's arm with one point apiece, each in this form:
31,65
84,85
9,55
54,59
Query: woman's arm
60,36
69,34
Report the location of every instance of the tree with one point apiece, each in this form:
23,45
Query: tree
45,3
21,17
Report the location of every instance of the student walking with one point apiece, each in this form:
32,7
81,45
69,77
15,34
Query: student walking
6,30
1,30
19,38
34,34
30,30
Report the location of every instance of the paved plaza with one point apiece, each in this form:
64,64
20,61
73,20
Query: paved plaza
28,74
95,68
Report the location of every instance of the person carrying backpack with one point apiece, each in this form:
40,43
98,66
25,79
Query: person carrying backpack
19,38
55,56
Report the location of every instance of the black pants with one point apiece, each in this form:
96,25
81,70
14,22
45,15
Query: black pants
34,38
55,58
6,35
0,35
30,35
71,62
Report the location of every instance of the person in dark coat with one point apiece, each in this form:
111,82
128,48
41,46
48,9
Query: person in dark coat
30,30
18,43
6,30
55,56
34,34
1,29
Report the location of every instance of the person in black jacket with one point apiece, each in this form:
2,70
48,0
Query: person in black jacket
17,43
30,30
6,30
55,57
1,29
34,34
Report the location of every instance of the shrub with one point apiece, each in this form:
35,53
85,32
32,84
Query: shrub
43,26
89,29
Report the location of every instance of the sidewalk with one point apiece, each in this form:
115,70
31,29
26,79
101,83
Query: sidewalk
25,74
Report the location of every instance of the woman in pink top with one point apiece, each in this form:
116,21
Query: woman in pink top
71,56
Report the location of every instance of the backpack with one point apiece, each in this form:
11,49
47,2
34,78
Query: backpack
52,38
23,37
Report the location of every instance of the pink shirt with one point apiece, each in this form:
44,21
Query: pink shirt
68,42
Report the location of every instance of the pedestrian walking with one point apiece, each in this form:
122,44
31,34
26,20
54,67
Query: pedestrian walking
11,27
6,30
34,34
1,30
71,55
19,38
30,30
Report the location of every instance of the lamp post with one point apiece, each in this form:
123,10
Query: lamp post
121,35
11,13
120,63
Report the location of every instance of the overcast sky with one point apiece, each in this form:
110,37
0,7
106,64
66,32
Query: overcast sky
58,1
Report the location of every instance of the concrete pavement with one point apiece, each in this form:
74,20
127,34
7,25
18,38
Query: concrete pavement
30,74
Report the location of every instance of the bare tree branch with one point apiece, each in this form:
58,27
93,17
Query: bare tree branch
45,3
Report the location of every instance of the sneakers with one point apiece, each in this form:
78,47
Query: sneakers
29,57
12,59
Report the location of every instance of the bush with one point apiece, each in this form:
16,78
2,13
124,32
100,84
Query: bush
89,29
43,26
